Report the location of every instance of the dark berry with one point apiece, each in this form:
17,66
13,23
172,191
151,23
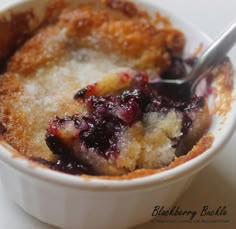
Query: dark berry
191,61
67,164
80,94
177,69
55,144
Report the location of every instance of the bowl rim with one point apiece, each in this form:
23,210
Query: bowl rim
96,184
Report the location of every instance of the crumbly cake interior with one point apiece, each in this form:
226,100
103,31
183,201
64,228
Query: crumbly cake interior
80,47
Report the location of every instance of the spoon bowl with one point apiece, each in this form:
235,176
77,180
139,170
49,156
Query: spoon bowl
185,88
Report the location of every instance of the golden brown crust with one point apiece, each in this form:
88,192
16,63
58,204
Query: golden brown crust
53,10
42,49
136,38
13,32
24,131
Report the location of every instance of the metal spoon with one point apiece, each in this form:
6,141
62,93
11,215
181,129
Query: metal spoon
185,87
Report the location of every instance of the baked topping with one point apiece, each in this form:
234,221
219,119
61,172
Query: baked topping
111,127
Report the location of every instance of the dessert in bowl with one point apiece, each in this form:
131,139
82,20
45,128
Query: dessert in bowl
127,145
116,124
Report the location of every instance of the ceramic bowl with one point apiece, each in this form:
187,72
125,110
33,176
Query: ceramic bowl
70,201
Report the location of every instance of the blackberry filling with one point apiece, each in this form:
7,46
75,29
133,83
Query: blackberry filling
126,127
67,164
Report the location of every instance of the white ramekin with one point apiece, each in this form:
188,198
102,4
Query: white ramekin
75,202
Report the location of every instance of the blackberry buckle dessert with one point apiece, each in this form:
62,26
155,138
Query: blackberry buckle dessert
75,97
128,127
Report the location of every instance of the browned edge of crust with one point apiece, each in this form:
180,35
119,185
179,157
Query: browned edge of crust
127,8
224,87
14,32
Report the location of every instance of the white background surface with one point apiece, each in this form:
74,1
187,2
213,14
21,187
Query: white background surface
215,185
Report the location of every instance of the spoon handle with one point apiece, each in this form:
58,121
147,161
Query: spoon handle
214,54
